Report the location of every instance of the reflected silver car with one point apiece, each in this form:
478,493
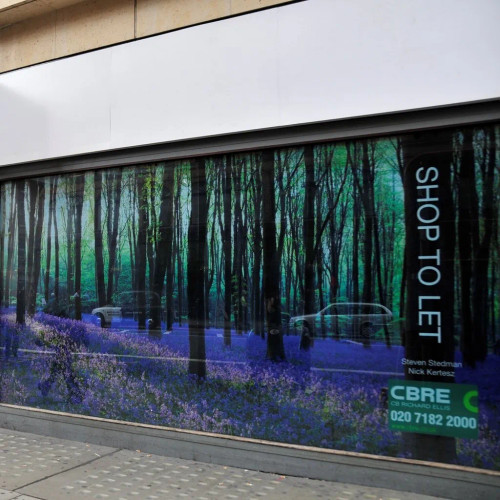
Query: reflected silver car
126,307
106,314
352,320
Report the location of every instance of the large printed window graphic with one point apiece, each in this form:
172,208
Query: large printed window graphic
339,295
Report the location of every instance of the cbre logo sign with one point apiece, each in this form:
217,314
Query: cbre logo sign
422,394
433,408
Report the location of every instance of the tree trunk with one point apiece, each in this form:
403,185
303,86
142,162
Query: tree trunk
98,244
10,246
150,232
131,249
257,252
140,258
48,255
356,215
467,242
69,237
37,248
376,238
152,241
272,299
163,253
366,197
209,256
32,206
237,285
482,254
366,190
116,193
178,239
319,257
21,253
306,338
56,246
79,189
2,242
227,250
169,302
197,240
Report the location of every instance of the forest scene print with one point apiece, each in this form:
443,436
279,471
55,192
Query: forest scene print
269,294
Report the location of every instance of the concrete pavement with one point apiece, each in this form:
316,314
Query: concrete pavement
39,467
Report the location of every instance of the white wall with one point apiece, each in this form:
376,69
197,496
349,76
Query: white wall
312,61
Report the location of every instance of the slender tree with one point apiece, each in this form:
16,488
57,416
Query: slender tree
79,189
468,241
368,178
98,242
30,257
56,245
151,224
10,245
483,249
272,299
163,253
238,243
352,158
258,318
70,203
178,245
131,232
2,241
115,193
226,196
140,260
365,186
37,248
210,249
308,237
376,241
48,251
169,300
21,253
197,240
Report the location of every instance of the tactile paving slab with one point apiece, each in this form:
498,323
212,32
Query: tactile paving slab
12,495
136,475
26,458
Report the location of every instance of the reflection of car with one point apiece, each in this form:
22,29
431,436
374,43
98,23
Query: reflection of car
355,320
106,314
285,322
126,306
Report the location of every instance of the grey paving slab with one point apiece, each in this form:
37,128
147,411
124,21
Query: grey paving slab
26,458
136,475
11,495
8,495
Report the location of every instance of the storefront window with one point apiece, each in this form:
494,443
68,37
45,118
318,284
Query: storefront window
339,295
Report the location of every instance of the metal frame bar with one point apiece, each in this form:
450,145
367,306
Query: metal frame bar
365,126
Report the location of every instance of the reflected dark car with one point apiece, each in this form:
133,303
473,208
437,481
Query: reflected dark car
353,320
